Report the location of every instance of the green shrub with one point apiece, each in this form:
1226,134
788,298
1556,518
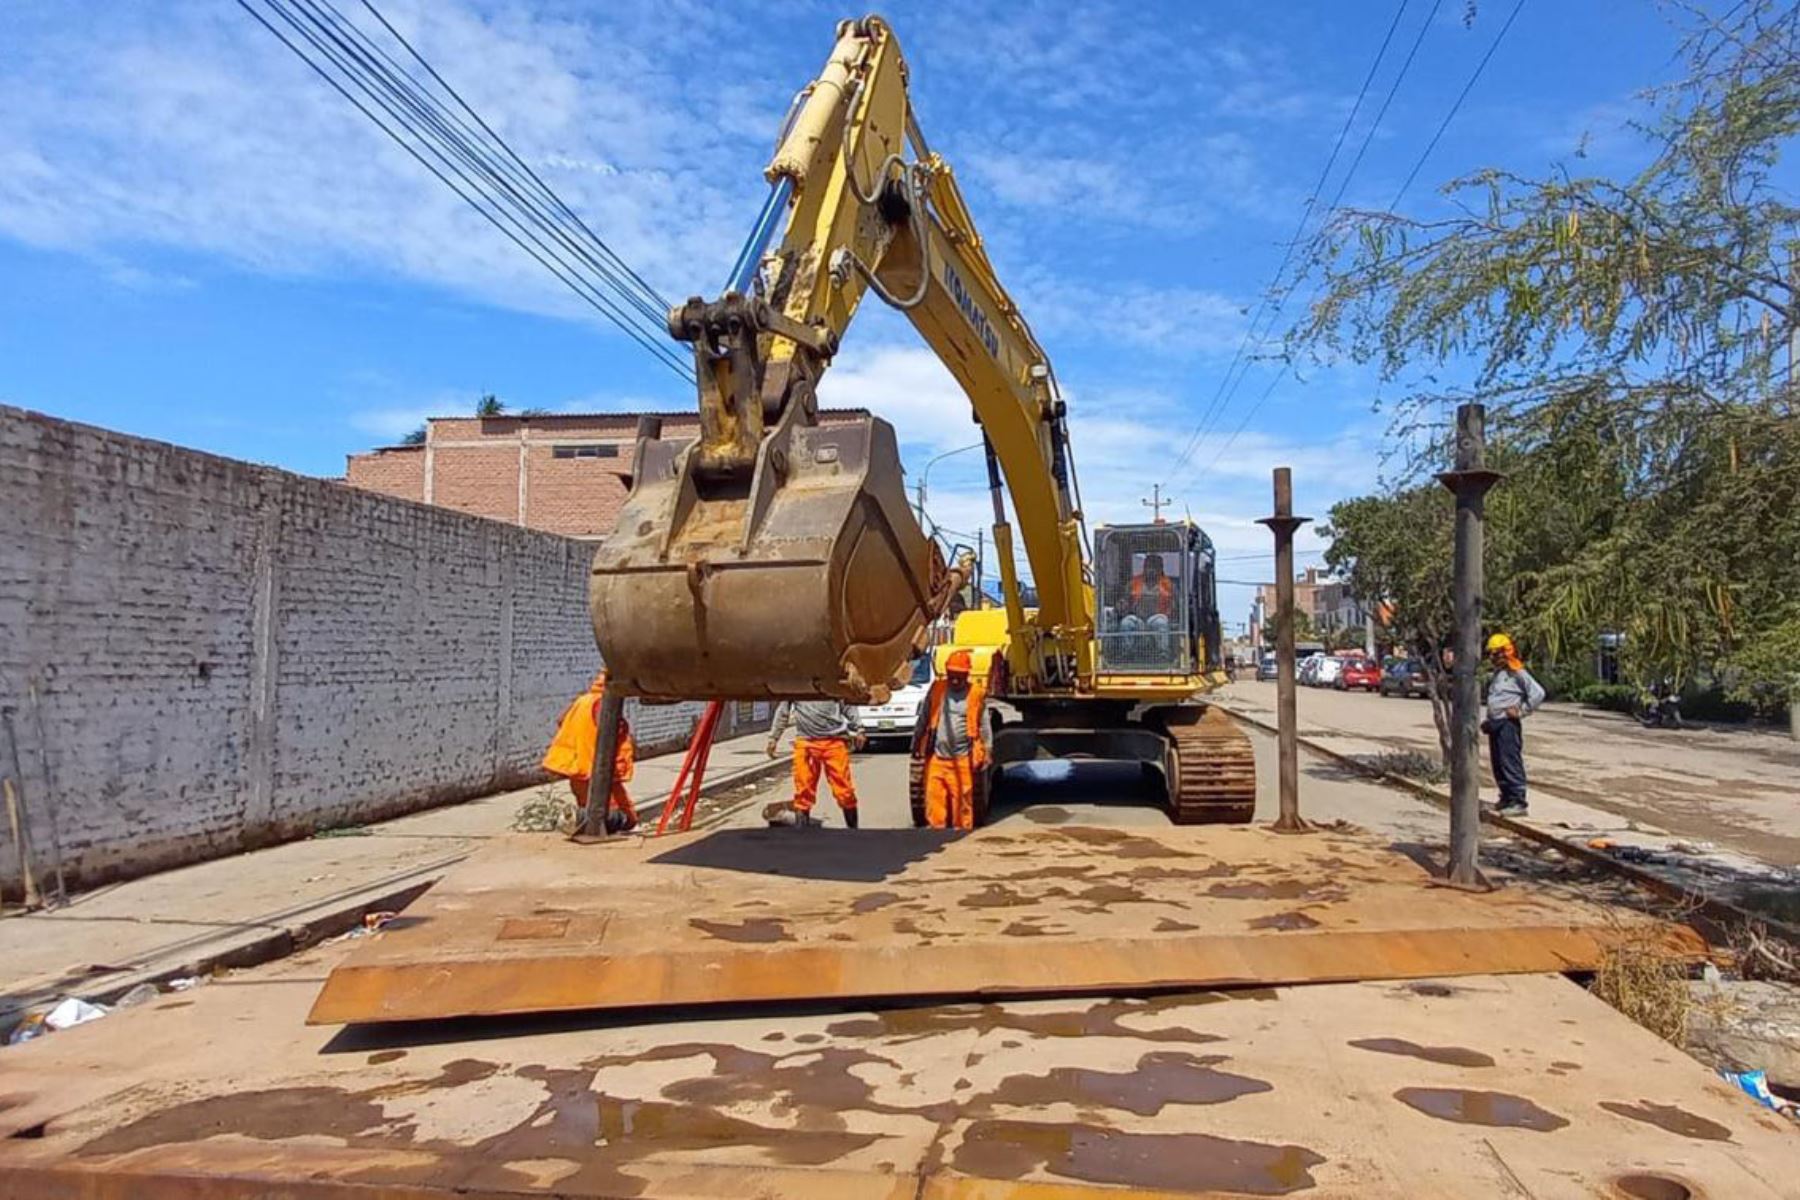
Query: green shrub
1564,680
1614,697
1711,704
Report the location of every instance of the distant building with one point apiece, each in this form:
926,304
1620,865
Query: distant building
565,473
1327,603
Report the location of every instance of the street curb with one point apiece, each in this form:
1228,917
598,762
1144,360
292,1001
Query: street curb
281,934
268,938
1726,914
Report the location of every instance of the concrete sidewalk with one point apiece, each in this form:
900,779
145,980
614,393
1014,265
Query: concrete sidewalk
249,908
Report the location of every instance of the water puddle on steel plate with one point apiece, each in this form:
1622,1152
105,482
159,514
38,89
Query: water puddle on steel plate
1184,1162
753,929
1167,1077
1452,1056
1671,1118
1495,1109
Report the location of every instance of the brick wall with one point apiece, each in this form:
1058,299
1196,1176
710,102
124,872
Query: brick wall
201,655
395,471
509,467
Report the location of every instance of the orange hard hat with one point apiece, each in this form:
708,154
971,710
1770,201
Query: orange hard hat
959,663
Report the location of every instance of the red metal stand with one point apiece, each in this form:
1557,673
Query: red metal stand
693,771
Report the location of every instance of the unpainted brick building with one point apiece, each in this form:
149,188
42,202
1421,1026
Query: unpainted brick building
561,473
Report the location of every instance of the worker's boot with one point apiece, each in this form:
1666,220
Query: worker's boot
850,818
783,814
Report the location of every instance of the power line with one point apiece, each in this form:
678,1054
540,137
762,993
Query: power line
510,197
1336,198
1455,107
1287,254
661,305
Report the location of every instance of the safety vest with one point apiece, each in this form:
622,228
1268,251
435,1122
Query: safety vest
925,737
1165,597
571,752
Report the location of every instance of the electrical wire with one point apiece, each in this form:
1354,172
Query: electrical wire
472,160
1336,198
1200,427
1455,107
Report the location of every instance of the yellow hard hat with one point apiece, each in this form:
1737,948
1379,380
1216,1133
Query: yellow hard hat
1499,641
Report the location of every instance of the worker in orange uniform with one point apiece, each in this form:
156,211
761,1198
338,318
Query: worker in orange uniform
1152,601
951,738
571,755
825,731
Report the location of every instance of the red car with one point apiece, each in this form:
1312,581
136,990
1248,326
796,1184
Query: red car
1359,673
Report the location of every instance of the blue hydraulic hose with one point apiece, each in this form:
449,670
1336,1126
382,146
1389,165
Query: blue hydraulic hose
743,272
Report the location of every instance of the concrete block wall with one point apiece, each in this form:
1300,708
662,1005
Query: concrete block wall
199,656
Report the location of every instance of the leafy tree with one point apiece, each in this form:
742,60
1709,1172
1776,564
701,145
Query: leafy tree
414,438
1303,629
1633,341
1396,551
489,406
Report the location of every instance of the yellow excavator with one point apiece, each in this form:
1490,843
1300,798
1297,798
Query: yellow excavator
775,554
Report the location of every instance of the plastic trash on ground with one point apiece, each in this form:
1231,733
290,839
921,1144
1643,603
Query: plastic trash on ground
1755,1084
49,1018
137,995
73,1012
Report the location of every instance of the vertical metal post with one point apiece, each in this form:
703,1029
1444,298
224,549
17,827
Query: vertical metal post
1283,524
600,777
1470,481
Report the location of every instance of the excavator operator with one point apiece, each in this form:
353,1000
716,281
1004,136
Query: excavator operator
1152,601
951,738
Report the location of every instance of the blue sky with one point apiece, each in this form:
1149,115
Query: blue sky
202,243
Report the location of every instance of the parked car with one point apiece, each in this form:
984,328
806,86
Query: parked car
1405,677
895,719
1359,673
1326,674
1265,667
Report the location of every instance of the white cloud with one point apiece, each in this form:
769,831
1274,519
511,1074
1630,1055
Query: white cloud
908,386
189,126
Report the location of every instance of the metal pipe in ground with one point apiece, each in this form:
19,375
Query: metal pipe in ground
1283,524
1469,481
600,778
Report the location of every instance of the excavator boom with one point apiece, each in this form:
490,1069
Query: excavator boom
774,554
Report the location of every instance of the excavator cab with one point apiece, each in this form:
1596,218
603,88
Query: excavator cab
1157,599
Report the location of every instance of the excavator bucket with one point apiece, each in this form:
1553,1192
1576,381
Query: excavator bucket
807,577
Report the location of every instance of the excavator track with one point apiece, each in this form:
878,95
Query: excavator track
1211,768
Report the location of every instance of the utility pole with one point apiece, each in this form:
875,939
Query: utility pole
1155,502
1283,524
1470,480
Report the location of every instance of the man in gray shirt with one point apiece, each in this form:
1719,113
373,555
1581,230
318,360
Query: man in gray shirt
1512,696
824,733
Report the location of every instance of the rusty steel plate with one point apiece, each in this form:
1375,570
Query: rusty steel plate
1482,1086
756,915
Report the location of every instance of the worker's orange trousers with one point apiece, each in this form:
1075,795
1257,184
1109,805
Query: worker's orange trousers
949,792
830,755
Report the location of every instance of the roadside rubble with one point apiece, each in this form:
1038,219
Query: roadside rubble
53,1016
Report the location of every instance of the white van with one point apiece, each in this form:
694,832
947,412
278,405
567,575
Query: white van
895,719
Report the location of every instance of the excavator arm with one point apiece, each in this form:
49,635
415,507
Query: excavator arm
774,554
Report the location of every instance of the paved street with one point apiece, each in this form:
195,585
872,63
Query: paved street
1730,785
1110,794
